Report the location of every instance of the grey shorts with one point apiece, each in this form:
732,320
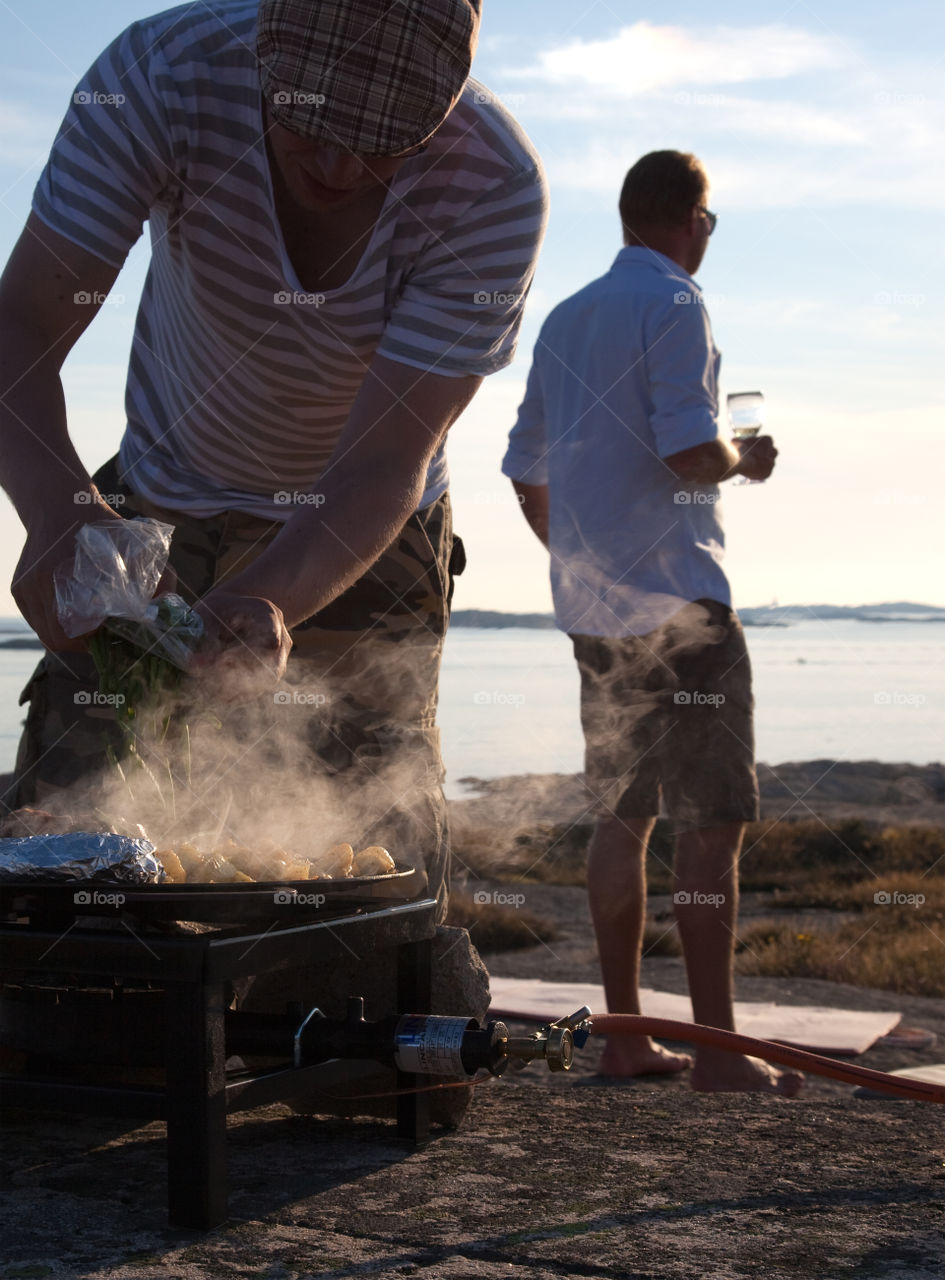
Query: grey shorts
667,717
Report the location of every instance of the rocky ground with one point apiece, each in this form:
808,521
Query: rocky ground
548,1178
551,1175
867,789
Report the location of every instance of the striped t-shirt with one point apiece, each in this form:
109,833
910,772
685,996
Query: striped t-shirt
240,381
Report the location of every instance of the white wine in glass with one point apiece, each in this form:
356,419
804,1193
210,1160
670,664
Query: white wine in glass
746,416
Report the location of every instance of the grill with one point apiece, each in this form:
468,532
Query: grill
52,941
261,902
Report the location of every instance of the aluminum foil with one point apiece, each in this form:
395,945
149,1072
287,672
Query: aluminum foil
63,859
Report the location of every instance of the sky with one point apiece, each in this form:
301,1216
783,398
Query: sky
822,129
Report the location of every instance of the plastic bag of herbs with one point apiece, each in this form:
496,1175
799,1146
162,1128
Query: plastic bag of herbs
141,646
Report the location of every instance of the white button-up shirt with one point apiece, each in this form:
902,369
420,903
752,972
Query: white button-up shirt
625,374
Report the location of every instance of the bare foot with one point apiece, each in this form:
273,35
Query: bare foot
736,1074
640,1056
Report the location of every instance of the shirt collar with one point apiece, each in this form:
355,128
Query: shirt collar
636,255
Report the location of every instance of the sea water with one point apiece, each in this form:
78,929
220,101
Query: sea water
844,690
848,690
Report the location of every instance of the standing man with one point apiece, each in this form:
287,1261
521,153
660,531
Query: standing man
343,231
616,458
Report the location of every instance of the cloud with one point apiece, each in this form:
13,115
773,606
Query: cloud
820,121
779,173
785,121
642,58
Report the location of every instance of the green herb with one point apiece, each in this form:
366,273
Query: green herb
140,669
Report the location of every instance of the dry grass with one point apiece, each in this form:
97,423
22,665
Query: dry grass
797,858
802,857
497,927
541,855
660,938
896,944
859,953
893,945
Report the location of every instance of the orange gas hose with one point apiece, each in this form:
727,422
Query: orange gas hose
631,1024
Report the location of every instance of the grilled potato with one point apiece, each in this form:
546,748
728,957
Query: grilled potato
240,857
299,869
373,861
173,867
192,860
337,861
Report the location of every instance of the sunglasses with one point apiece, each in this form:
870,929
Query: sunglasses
710,217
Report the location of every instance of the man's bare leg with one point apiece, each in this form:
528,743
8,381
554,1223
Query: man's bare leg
706,905
616,886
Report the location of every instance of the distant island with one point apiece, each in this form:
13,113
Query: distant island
769,615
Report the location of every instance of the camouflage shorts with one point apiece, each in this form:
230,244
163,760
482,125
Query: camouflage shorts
373,655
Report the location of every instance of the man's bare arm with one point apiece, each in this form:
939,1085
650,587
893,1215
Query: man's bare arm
533,499
369,488
717,460
49,293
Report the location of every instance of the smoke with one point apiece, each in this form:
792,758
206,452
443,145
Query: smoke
644,706
637,710
343,751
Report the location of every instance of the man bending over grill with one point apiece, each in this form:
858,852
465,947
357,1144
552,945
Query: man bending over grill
343,231
616,457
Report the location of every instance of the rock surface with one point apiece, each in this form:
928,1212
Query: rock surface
868,789
549,1177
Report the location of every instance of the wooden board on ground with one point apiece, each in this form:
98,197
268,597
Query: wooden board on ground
844,1032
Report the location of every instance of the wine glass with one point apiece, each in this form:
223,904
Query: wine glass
746,415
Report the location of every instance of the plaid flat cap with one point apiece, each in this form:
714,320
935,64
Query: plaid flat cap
375,76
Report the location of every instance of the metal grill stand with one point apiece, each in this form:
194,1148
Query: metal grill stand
193,971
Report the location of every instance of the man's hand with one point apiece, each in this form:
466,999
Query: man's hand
757,457
719,460
35,594
247,644
33,586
